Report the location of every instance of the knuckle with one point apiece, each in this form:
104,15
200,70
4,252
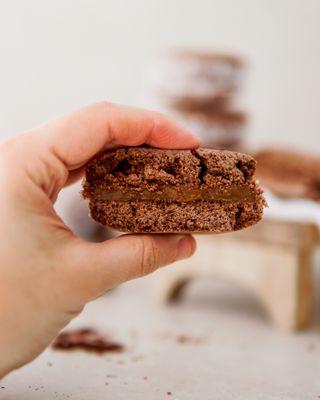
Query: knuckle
148,255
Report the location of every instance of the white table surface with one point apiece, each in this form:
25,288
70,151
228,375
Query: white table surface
235,352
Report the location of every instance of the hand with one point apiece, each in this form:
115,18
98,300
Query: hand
47,273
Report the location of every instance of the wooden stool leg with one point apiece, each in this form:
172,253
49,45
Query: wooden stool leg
280,275
286,289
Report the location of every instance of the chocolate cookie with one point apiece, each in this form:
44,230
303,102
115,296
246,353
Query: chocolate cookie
289,174
197,75
222,129
155,190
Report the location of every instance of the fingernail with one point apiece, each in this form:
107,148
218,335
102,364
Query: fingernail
194,138
186,247
197,140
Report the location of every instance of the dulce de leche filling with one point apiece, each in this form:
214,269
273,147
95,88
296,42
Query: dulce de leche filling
171,193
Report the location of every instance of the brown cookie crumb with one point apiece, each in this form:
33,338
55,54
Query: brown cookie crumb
310,347
86,339
189,339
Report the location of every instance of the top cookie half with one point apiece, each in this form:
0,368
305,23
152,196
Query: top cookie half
158,190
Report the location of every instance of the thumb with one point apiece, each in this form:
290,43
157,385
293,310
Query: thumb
97,267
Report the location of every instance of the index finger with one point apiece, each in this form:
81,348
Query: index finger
77,137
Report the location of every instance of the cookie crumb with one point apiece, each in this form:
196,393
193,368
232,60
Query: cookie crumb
137,358
169,393
86,339
188,339
310,347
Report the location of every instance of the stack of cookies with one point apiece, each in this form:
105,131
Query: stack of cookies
199,90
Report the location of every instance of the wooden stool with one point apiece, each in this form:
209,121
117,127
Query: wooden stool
273,259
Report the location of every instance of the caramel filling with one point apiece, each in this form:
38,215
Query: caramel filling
170,193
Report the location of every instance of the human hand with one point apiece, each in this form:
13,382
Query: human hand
47,273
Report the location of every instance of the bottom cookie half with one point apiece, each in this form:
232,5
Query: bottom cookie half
161,216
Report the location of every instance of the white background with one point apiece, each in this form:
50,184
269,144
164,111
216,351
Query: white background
61,54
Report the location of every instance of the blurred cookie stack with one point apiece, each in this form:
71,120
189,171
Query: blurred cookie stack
199,91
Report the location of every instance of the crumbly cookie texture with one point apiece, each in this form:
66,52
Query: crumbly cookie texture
157,190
